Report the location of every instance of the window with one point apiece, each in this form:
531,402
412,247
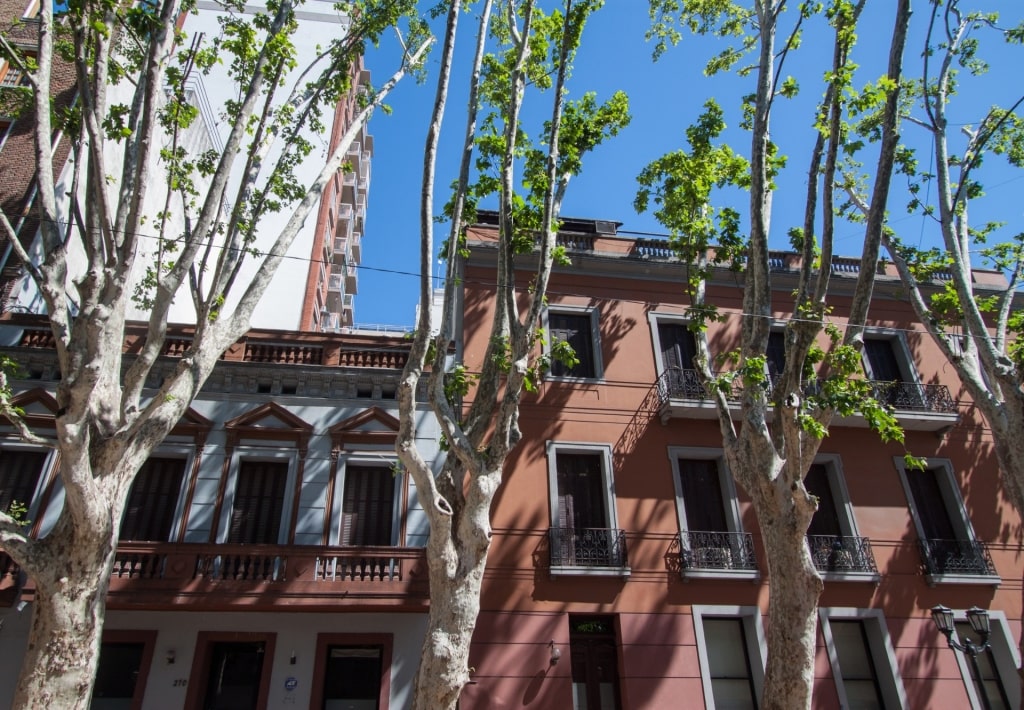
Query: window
887,362
583,533
258,508
578,329
125,658
948,545
20,476
775,354
674,352
731,651
11,75
838,551
711,538
153,501
861,655
368,506
595,665
997,665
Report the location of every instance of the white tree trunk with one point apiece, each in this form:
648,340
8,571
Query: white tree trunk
67,617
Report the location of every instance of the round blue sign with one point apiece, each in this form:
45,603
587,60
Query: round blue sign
291,683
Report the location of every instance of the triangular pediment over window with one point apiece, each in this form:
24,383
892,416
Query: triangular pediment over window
269,421
372,426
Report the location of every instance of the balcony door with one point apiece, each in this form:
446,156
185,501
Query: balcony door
595,663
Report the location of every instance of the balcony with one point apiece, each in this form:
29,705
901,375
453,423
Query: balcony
588,550
918,407
964,561
356,245
843,556
715,554
210,575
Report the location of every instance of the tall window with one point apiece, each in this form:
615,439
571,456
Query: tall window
711,537
730,649
576,329
862,658
947,538
258,508
856,666
153,500
987,682
583,532
368,506
353,677
775,354
826,519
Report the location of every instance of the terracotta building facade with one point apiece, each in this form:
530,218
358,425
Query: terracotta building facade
627,569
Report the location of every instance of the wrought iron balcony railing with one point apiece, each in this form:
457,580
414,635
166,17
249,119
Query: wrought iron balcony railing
699,550
965,557
912,397
841,553
588,547
677,383
686,384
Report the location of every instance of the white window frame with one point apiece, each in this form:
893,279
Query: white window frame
1005,655
833,464
33,511
604,451
595,338
957,512
730,499
259,453
757,646
880,646
654,319
388,464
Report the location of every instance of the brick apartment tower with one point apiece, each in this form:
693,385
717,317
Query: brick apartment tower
332,280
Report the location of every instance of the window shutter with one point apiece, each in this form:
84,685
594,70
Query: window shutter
930,505
776,352
574,329
149,513
678,348
19,476
882,359
367,506
259,502
826,519
580,491
702,495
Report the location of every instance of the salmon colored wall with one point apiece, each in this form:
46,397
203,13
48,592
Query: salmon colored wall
524,608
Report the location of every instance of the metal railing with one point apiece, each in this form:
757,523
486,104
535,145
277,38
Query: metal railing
704,550
966,557
686,384
588,547
841,553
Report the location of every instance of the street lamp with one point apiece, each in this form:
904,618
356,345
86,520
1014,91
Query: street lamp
981,625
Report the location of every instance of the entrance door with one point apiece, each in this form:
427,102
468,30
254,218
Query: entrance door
595,663
234,676
352,678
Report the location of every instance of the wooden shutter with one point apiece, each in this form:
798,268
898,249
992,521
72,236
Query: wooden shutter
776,352
368,506
259,502
580,491
702,495
678,348
149,514
574,328
926,492
882,359
826,519
19,476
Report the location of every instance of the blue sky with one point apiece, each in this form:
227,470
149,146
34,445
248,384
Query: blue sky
664,98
